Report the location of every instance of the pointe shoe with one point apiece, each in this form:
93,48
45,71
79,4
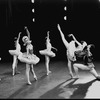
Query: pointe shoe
29,83
35,77
71,75
13,73
48,72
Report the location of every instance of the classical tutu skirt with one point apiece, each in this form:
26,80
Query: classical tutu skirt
48,53
29,59
14,52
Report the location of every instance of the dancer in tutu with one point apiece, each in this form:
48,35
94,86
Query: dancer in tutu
15,54
29,58
87,63
71,49
48,53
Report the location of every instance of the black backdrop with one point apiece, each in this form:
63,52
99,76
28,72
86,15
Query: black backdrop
83,21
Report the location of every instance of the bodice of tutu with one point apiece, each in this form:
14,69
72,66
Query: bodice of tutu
71,48
49,46
18,47
29,49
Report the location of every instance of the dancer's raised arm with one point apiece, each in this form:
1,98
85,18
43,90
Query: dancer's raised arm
63,37
28,33
18,37
75,39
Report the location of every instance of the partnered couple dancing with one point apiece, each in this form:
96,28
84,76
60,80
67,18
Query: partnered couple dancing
74,53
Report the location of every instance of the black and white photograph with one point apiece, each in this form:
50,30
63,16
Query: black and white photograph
49,49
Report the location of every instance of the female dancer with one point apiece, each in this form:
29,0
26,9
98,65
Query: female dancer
48,53
15,54
87,65
71,49
29,58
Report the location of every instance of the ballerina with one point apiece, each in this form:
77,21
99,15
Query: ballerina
48,53
87,63
71,49
15,54
29,58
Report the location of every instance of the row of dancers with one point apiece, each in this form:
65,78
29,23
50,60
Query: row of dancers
29,57
73,53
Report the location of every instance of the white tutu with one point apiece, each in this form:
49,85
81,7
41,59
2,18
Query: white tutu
14,52
29,59
46,52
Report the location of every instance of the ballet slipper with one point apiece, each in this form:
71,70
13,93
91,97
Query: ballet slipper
71,75
13,73
29,83
48,72
35,77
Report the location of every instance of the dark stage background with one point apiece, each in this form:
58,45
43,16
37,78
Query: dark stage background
83,19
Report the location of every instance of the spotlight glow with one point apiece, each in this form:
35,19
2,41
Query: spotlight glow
65,17
32,1
33,19
33,10
65,8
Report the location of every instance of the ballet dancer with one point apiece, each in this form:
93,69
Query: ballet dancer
71,48
15,54
29,58
48,53
87,63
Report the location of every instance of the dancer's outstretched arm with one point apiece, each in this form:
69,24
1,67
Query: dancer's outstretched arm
75,39
18,37
63,37
28,33
54,48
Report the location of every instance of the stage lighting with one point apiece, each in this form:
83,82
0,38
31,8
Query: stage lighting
33,10
65,17
32,1
65,8
33,19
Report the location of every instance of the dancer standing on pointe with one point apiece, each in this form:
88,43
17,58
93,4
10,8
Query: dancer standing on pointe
48,53
15,54
71,48
87,63
29,58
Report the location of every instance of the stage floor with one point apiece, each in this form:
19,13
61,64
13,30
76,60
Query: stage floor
58,85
